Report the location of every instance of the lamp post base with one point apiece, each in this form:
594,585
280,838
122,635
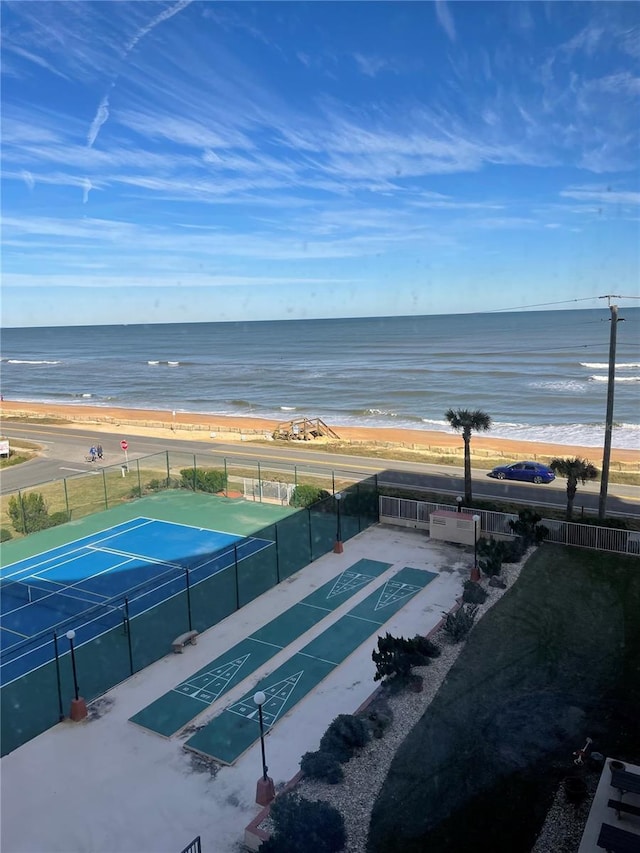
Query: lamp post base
475,574
78,710
265,791
337,548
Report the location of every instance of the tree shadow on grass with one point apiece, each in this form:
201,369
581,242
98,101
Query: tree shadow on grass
537,676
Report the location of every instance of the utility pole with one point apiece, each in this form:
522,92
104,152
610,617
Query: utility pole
608,427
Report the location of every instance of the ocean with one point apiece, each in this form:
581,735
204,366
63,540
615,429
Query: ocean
542,376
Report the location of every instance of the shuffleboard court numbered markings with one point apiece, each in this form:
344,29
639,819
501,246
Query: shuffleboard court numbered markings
277,694
348,582
394,591
207,686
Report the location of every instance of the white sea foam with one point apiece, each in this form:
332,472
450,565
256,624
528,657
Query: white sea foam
27,361
153,362
562,385
602,378
602,365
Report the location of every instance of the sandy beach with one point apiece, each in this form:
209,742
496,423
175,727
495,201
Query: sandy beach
202,426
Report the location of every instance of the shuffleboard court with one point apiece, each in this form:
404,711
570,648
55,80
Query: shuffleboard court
227,736
170,712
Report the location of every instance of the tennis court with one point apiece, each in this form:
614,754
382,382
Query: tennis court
107,578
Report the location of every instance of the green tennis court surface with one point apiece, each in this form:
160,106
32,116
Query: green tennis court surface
227,736
179,706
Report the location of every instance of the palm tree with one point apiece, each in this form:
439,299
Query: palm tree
574,470
468,422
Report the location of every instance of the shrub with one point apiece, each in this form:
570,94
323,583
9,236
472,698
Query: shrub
28,513
323,766
5,534
474,593
203,480
513,550
60,517
490,556
378,716
396,656
459,623
361,501
528,527
305,496
155,485
345,734
301,826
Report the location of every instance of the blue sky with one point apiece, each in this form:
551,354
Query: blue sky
202,161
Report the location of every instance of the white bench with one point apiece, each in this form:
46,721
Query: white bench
180,642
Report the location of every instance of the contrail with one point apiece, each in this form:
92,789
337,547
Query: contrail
103,109
99,119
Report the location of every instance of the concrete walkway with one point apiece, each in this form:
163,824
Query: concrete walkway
106,785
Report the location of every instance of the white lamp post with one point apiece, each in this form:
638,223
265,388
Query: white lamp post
337,548
78,705
265,790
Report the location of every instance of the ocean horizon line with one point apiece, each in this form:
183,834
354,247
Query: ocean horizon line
553,308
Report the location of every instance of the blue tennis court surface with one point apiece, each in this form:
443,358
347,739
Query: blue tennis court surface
143,560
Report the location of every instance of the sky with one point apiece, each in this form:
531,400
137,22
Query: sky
200,161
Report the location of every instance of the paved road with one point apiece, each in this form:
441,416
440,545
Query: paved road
64,452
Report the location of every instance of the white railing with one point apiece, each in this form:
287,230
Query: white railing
497,523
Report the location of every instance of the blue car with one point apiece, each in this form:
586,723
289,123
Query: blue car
526,472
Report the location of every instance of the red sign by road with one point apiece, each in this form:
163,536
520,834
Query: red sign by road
123,444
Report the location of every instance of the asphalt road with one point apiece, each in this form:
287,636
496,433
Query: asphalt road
64,452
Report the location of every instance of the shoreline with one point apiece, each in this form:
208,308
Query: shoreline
229,428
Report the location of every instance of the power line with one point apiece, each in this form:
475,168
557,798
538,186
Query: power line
545,304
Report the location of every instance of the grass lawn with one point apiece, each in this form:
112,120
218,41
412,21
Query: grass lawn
556,661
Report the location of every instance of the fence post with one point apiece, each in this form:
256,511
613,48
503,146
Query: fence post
66,499
226,479
235,560
186,577
24,518
259,483
168,470
104,484
310,536
127,628
139,480
55,651
277,553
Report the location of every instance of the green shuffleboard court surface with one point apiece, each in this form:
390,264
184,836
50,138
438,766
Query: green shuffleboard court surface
227,736
179,706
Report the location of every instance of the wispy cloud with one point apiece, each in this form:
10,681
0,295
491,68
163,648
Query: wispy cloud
27,177
102,113
225,137
602,195
35,58
445,18
370,65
